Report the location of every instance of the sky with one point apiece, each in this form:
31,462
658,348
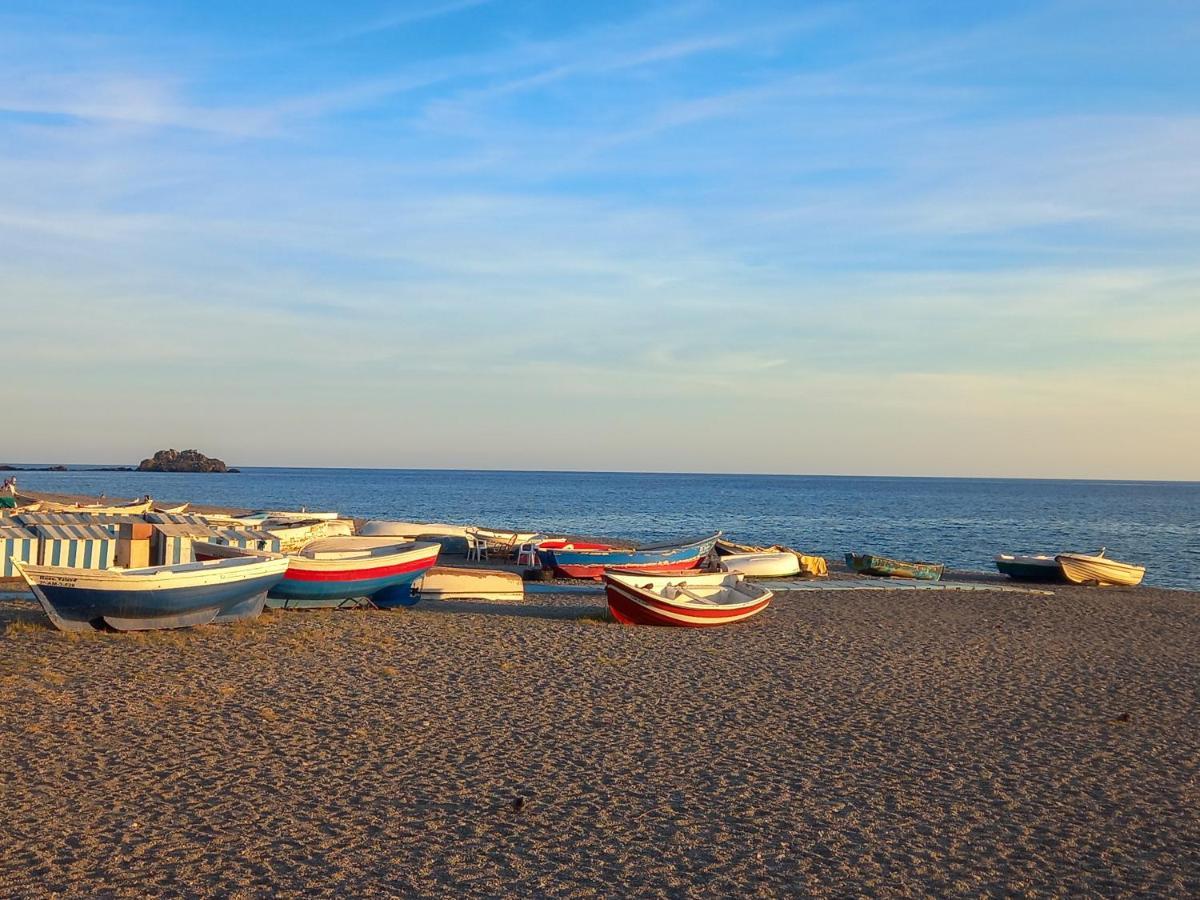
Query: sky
926,238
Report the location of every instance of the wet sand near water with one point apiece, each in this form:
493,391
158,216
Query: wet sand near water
868,741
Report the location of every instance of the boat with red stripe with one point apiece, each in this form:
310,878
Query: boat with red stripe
351,571
590,559
694,600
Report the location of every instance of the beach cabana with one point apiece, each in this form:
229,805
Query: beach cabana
75,546
247,539
171,544
19,544
111,524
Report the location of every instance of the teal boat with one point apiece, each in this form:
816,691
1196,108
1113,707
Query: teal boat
1041,568
870,564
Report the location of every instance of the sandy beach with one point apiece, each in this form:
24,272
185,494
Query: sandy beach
882,741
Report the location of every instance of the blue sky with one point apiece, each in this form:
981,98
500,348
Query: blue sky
919,238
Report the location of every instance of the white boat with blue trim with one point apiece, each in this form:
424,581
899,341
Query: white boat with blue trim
178,596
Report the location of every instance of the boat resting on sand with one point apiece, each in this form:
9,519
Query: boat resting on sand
700,600
137,508
809,564
338,572
883,567
445,583
496,538
172,510
177,596
1079,568
764,564
1041,568
585,559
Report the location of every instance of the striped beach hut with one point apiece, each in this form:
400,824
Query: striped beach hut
111,524
19,544
76,546
164,518
247,539
171,543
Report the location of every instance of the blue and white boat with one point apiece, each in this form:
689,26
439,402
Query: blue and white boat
589,559
178,596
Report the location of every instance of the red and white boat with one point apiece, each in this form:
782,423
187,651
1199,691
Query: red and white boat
700,600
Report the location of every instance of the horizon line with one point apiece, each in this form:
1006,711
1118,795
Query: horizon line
84,467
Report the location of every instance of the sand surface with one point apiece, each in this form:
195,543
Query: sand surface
893,742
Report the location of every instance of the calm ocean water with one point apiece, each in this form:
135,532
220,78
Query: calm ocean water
963,522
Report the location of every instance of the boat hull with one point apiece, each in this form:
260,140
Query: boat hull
767,564
307,585
1079,569
572,562
443,583
883,567
631,606
82,609
1032,569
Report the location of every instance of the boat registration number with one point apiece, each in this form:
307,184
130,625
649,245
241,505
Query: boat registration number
58,581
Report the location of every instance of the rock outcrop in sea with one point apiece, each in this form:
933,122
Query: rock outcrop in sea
182,461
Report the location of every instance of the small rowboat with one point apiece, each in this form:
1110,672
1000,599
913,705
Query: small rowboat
179,596
584,559
701,600
173,510
765,564
869,564
335,572
1078,568
1040,568
444,583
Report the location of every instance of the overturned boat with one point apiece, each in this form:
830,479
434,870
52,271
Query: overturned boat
445,583
884,567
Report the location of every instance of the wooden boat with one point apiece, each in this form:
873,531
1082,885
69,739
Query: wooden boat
176,596
413,530
336,572
809,564
1041,568
764,564
1079,568
502,539
173,510
585,559
693,600
869,564
444,583
295,535
137,508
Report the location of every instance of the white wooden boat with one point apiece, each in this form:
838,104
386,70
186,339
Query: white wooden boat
696,600
96,509
294,536
173,510
177,596
767,564
446,583
1080,568
499,538
413,530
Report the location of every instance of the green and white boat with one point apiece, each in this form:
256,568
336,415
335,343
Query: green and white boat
882,566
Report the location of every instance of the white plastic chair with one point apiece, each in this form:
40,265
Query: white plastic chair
527,554
477,547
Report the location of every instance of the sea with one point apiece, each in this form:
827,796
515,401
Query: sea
963,522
